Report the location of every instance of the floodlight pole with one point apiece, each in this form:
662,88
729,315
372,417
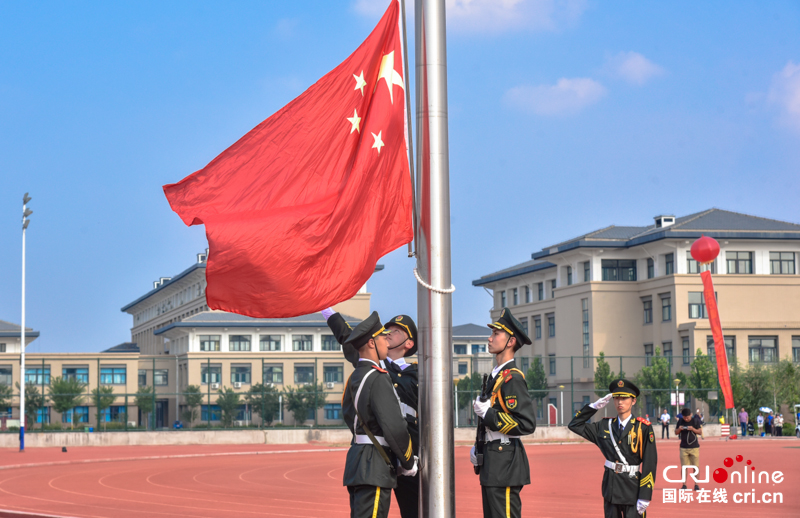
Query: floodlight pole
25,221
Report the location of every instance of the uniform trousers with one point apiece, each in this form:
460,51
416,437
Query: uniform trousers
621,511
407,495
501,502
369,501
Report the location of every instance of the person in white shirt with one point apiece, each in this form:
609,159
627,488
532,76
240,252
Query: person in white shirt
664,418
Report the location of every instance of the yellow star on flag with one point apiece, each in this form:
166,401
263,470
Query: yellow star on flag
360,83
389,74
355,120
378,142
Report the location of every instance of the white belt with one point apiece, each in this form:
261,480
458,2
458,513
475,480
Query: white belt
494,436
618,467
364,439
407,410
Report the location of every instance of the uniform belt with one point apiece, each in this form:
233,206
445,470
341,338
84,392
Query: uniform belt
618,467
364,439
497,436
407,410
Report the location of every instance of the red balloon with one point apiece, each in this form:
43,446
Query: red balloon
705,249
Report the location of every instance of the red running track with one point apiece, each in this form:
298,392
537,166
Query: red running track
305,481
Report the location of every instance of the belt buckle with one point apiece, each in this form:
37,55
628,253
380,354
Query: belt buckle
618,468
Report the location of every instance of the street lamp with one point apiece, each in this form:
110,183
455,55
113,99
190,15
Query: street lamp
562,404
26,212
677,382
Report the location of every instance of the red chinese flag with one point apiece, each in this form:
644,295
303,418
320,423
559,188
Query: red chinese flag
300,209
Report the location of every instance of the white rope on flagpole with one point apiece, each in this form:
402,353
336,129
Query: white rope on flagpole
431,288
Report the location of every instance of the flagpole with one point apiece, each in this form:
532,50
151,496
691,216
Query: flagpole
409,141
434,302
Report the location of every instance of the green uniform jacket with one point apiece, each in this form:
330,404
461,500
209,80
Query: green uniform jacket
620,488
380,410
405,382
507,464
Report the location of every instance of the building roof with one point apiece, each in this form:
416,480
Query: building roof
224,319
471,331
716,223
7,329
125,347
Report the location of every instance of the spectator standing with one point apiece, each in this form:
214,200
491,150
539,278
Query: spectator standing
689,429
760,423
743,417
698,414
768,424
778,425
664,418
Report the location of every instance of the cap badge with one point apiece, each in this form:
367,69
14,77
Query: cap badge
620,383
503,313
398,319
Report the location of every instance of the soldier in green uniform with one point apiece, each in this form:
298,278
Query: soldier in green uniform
507,415
402,343
380,437
629,447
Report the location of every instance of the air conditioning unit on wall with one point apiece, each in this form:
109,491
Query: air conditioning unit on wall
329,385
214,386
237,384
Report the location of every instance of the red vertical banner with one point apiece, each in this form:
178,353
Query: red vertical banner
719,341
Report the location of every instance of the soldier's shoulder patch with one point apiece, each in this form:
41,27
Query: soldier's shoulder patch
652,437
643,420
379,369
507,376
511,402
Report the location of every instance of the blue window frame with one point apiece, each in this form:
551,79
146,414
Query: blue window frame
244,413
43,415
215,413
37,375
460,349
113,414
80,414
478,348
333,411
112,375
76,373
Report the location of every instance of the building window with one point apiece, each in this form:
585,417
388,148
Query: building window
795,351
2,348
666,309
525,363
569,275
693,266
648,311
304,374
37,375
502,299
302,342
587,271
5,376
669,264
553,289
763,349
552,359
239,343
113,414
739,262
551,325
273,374
142,378
333,373
648,354
781,263
244,413
79,414
686,352
43,415
667,348
209,342
329,343
515,296
537,328
697,305
333,411
460,349
80,374
112,375
478,348
651,268
240,373
586,355
540,287
269,342
215,413
619,270
210,374
528,294
462,368
524,322
161,377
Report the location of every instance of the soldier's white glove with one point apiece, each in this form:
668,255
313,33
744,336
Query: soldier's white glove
481,407
641,506
603,401
409,472
328,313
472,457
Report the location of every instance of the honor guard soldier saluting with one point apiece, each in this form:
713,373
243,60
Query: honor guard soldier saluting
629,447
380,438
507,414
402,343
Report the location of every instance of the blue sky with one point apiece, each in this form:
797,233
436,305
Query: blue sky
565,116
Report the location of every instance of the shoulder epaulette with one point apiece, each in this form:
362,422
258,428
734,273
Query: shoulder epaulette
379,369
643,420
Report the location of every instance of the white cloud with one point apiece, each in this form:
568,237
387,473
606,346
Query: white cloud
567,96
785,94
493,16
634,68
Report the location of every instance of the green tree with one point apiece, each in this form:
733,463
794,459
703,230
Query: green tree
537,382
33,402
103,397
603,376
264,400
66,394
6,396
302,400
657,378
146,402
228,401
702,378
193,398
469,388
756,392
789,373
